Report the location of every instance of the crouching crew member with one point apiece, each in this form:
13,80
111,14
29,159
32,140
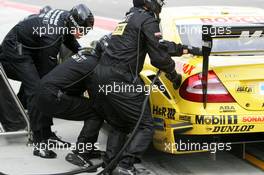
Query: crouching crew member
60,94
30,51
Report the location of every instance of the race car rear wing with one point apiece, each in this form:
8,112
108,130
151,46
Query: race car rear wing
220,32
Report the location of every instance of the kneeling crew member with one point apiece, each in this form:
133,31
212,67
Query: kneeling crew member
60,94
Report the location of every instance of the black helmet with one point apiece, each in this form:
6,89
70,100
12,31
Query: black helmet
153,5
81,17
138,3
45,9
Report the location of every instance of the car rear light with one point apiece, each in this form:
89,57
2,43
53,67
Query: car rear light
192,89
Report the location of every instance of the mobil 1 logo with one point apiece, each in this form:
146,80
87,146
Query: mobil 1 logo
216,119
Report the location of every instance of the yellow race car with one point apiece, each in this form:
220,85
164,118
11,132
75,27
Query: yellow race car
221,99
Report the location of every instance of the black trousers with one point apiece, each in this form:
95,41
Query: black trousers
50,101
27,73
122,110
76,108
10,115
28,68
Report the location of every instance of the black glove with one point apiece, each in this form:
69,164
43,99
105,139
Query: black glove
85,50
194,50
88,51
175,78
100,45
172,48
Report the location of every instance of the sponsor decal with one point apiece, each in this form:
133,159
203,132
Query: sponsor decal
253,119
234,19
246,36
159,123
216,119
188,69
261,90
185,68
230,129
185,118
74,22
227,109
231,76
79,58
119,30
164,112
245,89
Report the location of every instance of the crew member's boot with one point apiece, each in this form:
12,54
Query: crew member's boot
42,150
81,156
44,141
125,171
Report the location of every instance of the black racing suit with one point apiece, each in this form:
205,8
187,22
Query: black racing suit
44,34
55,99
60,92
121,64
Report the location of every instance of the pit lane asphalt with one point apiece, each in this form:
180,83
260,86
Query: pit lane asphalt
159,163
117,8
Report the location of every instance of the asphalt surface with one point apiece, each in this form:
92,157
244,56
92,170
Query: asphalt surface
117,8
157,162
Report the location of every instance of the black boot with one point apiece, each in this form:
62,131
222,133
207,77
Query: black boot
119,170
82,159
79,160
42,150
125,171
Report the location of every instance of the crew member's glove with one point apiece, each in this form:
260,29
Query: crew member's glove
194,50
175,78
87,51
172,48
100,45
179,49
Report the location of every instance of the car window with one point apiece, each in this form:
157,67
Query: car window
191,34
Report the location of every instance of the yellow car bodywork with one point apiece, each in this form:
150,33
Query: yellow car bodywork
243,77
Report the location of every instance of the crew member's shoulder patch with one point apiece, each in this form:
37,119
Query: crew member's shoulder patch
158,35
79,58
120,28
